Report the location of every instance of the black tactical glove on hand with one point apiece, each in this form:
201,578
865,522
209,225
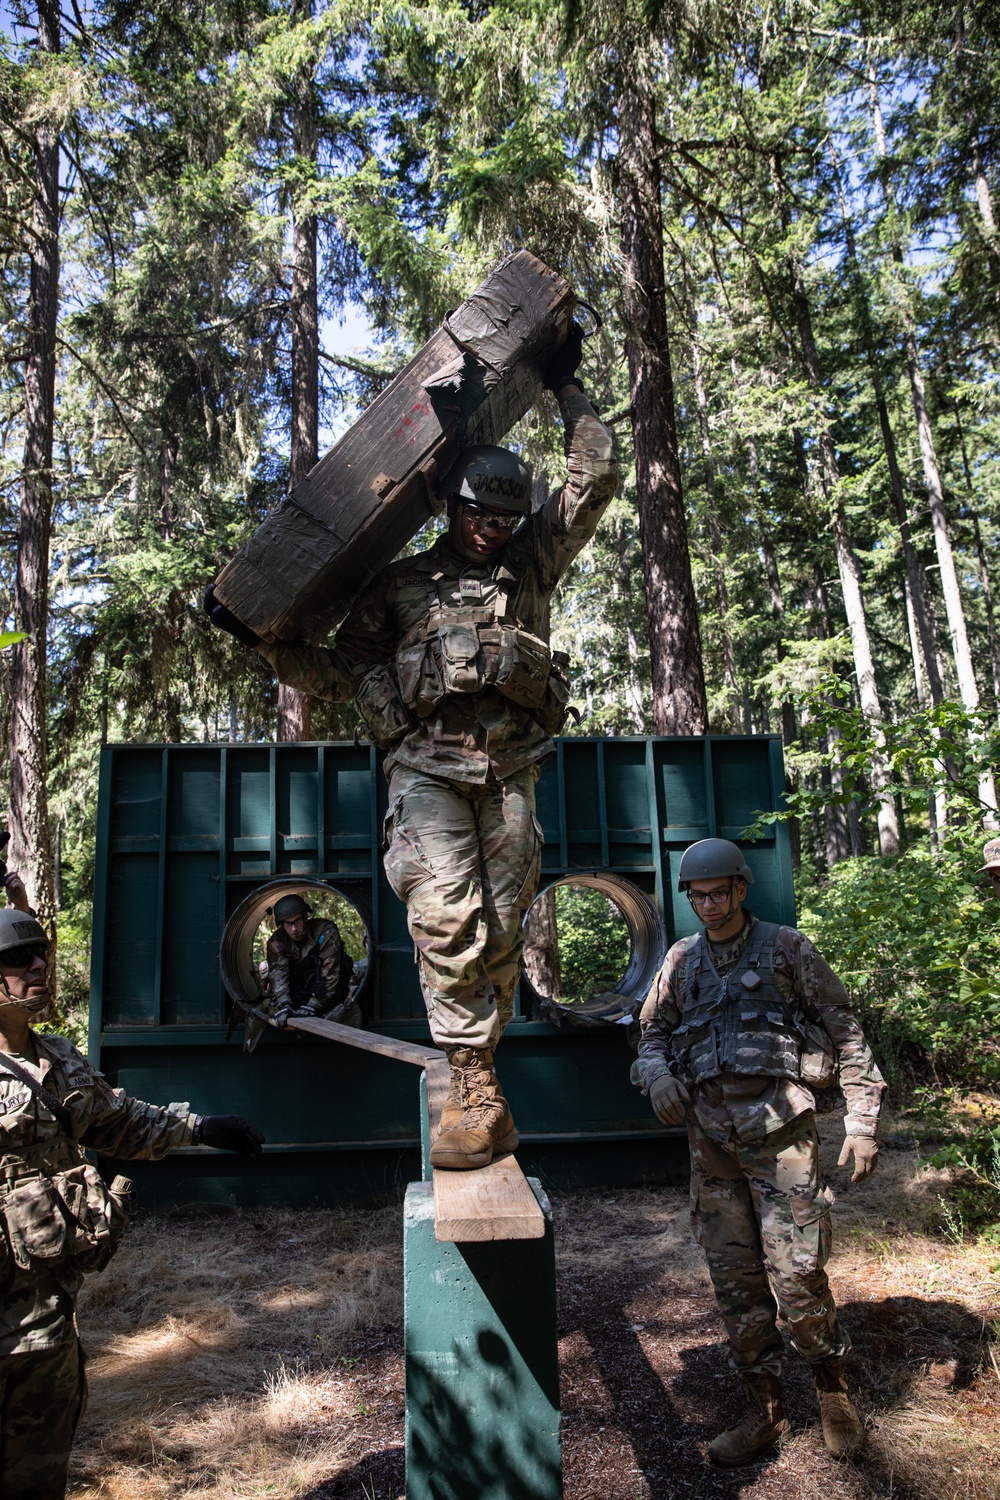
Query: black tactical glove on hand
281,1015
230,1133
226,620
558,366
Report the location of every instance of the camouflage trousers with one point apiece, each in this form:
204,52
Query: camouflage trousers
762,1217
42,1398
465,859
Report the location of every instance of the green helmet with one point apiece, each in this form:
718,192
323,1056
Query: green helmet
18,929
289,907
712,859
494,477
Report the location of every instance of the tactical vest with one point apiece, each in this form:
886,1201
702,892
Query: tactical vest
743,1023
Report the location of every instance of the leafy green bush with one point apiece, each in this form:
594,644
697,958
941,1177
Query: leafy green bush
594,943
917,942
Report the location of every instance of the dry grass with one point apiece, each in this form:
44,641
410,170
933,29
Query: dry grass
243,1356
217,1352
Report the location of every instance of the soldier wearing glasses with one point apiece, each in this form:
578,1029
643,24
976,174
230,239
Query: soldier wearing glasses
446,656
743,1020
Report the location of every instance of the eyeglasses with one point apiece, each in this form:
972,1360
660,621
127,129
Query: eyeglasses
22,958
489,520
717,897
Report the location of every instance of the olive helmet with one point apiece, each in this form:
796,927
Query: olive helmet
491,476
712,859
19,929
288,908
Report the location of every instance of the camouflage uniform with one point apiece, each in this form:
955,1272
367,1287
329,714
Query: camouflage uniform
50,1242
315,973
759,1208
463,843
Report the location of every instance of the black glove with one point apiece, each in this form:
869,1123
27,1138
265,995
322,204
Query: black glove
230,1133
226,620
281,1014
557,367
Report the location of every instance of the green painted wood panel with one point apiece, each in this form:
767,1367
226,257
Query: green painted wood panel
187,832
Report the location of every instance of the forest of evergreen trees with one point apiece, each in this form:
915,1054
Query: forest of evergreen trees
787,217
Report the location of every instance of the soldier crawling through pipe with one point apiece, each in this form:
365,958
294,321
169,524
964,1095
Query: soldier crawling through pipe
445,657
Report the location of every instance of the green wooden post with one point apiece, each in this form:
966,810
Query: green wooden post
482,1373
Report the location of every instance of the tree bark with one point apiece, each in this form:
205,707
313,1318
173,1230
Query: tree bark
678,683
850,583
712,516
541,947
294,706
31,851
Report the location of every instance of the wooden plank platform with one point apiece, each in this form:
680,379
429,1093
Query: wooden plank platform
492,1203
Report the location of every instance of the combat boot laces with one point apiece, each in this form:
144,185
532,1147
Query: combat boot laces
765,1424
476,1123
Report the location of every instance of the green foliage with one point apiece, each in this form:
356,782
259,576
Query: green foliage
917,942
593,942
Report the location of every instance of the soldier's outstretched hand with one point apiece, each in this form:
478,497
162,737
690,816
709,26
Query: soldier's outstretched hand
865,1148
230,1133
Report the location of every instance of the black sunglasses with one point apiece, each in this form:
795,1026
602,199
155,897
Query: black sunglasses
23,957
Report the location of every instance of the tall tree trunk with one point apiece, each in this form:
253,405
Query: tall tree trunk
712,515
541,947
850,583
29,809
633,692
678,682
917,596
984,576
294,706
932,475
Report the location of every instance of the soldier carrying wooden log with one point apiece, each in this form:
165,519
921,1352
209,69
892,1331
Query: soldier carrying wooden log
445,656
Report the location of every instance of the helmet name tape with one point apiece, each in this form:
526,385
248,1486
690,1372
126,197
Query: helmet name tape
499,484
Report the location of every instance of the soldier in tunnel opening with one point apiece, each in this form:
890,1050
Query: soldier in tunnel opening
447,659
743,1020
308,970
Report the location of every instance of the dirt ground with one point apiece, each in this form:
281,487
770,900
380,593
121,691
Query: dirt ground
260,1354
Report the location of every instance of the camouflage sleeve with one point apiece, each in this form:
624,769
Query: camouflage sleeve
367,638
570,516
332,960
827,1001
660,1014
121,1126
278,976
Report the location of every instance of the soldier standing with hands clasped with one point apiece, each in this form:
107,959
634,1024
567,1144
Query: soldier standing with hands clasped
446,657
58,1218
742,1021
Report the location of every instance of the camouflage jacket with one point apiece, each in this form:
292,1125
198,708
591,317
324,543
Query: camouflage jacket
317,966
752,1105
37,1304
468,736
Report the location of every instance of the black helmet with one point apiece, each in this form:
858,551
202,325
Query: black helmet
712,859
494,477
20,928
289,907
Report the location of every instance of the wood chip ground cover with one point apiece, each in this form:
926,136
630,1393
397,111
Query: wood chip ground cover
260,1355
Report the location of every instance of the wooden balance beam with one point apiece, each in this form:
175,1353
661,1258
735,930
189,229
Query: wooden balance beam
473,1207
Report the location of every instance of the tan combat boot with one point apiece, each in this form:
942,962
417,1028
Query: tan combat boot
475,1122
843,1430
764,1425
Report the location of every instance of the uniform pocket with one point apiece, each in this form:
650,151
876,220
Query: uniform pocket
36,1224
533,869
405,863
812,1233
